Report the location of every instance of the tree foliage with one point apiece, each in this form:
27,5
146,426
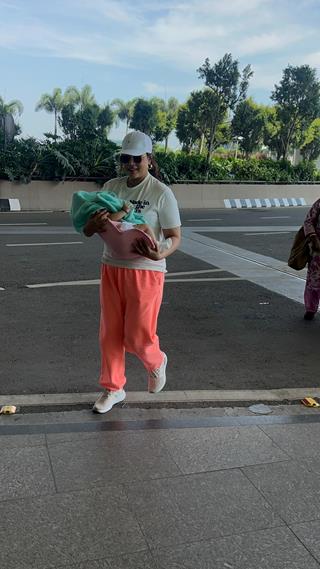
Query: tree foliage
205,122
310,148
52,104
248,122
297,99
9,128
229,87
124,110
144,116
195,120
166,119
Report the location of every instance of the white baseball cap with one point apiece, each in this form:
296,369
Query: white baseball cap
136,143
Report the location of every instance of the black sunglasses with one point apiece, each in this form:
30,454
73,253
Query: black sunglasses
125,158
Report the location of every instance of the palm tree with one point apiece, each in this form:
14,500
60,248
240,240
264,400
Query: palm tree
14,107
7,124
124,110
52,104
84,98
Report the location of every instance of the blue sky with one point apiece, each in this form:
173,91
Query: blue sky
126,48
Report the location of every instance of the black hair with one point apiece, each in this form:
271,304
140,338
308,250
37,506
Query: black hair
154,168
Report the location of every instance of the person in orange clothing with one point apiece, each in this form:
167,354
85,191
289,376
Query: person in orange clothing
131,289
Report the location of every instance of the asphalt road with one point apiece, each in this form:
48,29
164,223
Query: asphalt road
220,332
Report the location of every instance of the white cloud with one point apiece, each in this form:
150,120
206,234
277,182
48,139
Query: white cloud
312,59
167,91
266,42
179,34
153,88
266,79
109,10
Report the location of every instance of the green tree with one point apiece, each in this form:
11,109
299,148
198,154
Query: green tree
144,116
124,110
187,130
196,119
248,122
166,119
52,104
81,117
297,99
80,98
105,120
272,133
229,87
8,127
86,123
14,107
310,148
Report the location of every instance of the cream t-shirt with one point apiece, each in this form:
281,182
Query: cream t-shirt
157,203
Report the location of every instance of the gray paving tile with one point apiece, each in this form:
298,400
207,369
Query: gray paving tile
111,457
312,464
267,549
140,560
199,507
309,533
68,529
25,472
296,440
17,441
291,488
196,450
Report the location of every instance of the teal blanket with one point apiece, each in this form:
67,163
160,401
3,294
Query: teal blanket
85,204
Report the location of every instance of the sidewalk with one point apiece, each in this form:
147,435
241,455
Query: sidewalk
161,489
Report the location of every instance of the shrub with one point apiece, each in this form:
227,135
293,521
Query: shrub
25,159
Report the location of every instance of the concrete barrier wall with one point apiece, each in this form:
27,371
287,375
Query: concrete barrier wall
213,195
43,195
56,196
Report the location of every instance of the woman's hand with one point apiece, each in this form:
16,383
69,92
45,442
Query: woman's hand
141,247
96,223
147,229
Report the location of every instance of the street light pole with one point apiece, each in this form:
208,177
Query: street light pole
237,139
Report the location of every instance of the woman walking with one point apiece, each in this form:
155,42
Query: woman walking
312,288
131,289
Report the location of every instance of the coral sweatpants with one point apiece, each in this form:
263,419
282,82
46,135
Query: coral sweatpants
130,302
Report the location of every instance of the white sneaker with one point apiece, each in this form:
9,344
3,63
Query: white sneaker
107,399
157,377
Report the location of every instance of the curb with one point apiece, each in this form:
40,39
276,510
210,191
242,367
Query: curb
177,399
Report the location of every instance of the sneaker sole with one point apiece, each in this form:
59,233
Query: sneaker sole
95,410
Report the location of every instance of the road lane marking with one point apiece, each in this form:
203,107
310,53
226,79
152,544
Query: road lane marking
277,217
206,219
65,283
266,272
41,244
182,273
204,280
97,282
237,228
269,233
23,224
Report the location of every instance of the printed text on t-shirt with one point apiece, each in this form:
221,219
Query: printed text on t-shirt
139,205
